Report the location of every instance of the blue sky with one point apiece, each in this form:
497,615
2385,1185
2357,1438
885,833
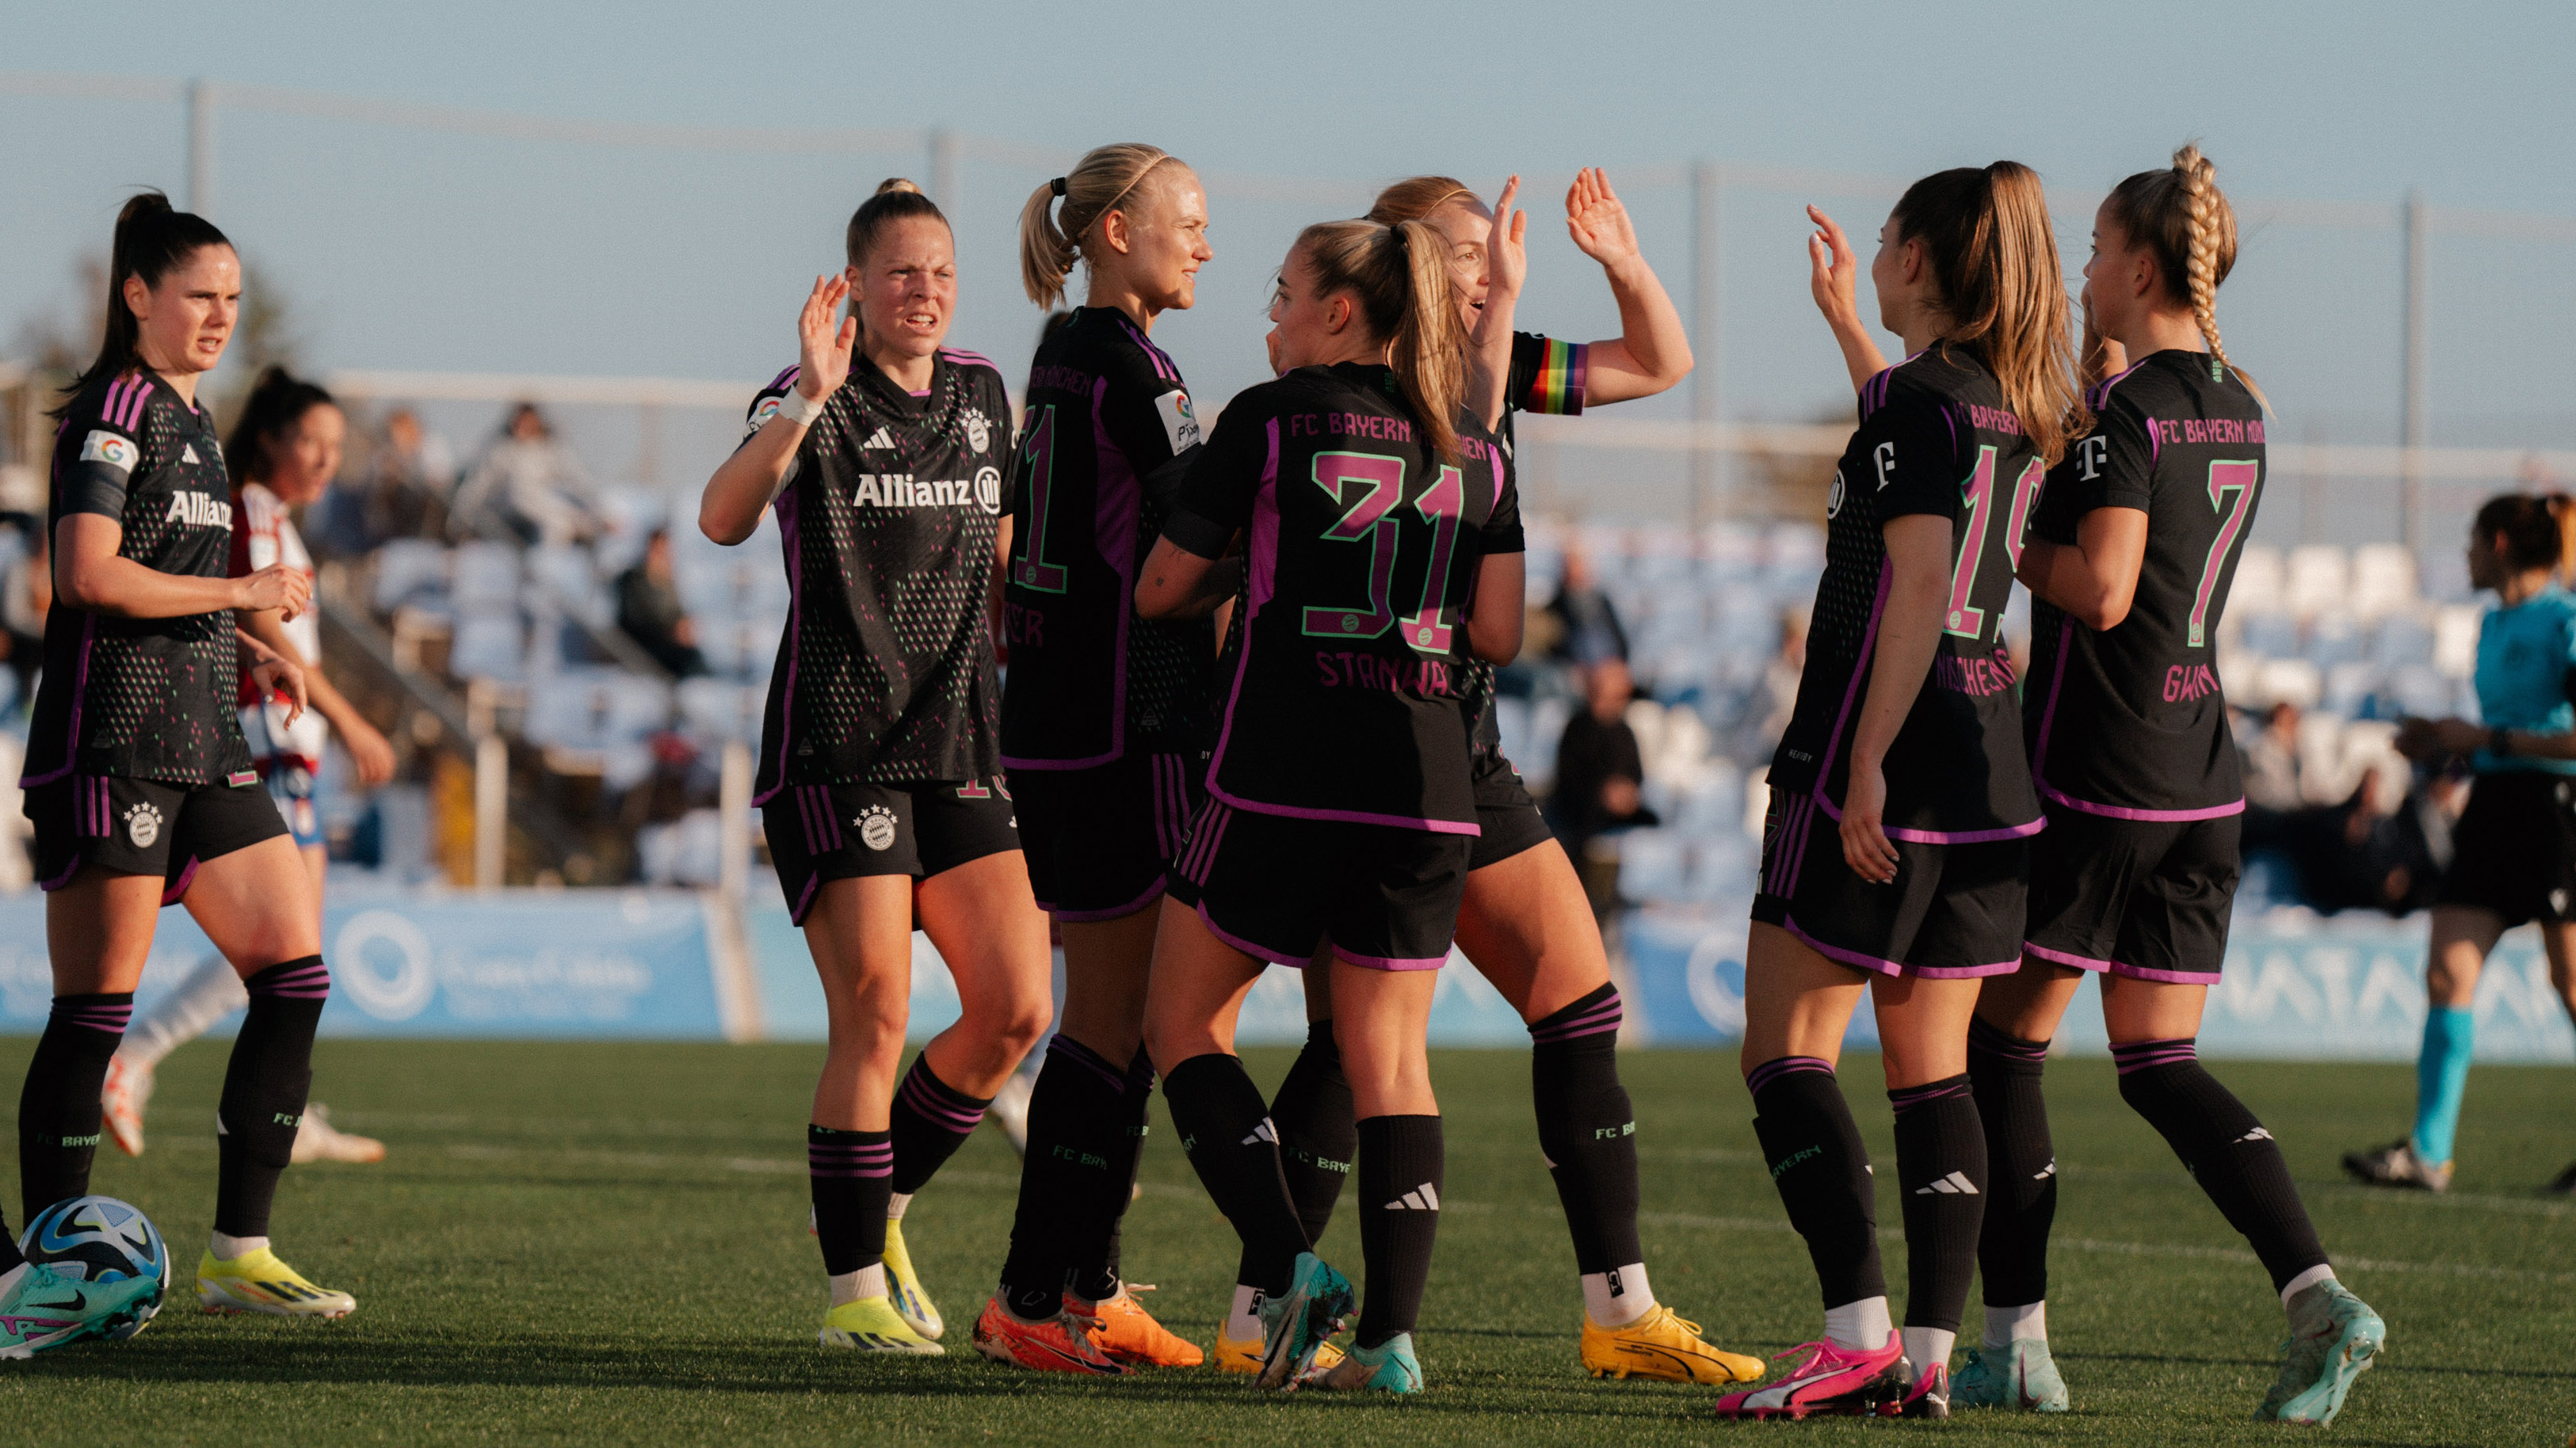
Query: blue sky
400,249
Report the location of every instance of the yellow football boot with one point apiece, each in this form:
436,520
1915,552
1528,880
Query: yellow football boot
870,1324
1662,1344
1245,1356
903,1285
256,1281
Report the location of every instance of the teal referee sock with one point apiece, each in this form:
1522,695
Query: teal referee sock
2441,1079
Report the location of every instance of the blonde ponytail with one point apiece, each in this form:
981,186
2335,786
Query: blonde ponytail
2181,214
1994,257
1052,238
1400,278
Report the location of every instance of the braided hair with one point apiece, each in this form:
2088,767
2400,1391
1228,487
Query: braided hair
2184,218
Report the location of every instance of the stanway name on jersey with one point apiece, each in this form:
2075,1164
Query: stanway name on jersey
1426,677
199,510
901,490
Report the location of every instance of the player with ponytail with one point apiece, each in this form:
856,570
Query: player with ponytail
1381,552
1901,806
142,788
2133,547
1524,921
1105,730
884,453
2515,845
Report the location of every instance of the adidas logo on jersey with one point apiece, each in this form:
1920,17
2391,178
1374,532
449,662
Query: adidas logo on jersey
1424,1198
199,510
900,490
1953,1185
1264,1132
878,441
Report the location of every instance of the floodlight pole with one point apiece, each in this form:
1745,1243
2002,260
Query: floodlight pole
1705,346
2416,429
201,147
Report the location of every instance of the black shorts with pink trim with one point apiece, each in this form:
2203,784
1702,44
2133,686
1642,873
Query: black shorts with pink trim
820,832
145,827
1955,909
1100,840
1506,814
2148,898
1276,888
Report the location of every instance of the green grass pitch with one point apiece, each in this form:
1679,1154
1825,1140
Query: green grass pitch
606,1243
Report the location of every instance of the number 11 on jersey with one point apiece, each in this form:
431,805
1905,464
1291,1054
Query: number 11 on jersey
1030,569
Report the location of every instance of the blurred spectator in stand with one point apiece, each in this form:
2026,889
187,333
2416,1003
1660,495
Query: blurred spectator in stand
26,596
1775,695
408,488
1588,628
649,611
2274,787
527,486
1600,779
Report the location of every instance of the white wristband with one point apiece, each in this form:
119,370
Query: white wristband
799,409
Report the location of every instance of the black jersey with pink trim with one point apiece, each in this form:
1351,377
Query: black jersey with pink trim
1106,436
1934,438
888,519
1361,556
141,698
2129,721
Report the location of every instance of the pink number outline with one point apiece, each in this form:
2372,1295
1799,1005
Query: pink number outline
2025,498
1030,570
2244,479
1366,517
1443,505
1978,493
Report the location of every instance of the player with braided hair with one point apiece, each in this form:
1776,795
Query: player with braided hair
2133,547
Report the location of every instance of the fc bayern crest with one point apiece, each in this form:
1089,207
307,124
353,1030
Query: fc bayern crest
876,827
979,433
143,825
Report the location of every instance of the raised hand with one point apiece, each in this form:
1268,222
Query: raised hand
1596,219
823,350
1834,270
1506,251
279,587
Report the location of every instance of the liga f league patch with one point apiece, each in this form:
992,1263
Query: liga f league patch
1180,425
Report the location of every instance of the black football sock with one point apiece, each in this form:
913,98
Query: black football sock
1078,1100
2235,1160
931,1120
1816,1158
58,1114
10,1257
264,1088
1318,1135
1225,1131
1588,1132
2021,1165
1400,1176
852,1173
1097,1280
1941,1169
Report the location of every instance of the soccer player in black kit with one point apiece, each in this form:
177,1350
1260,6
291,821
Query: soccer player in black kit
879,775
2134,545
1524,922
1901,806
1106,722
141,788
1381,551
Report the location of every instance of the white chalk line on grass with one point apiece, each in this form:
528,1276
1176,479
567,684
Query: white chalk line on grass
776,1166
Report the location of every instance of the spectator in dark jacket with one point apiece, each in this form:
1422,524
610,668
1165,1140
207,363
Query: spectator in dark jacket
1588,628
649,611
1600,779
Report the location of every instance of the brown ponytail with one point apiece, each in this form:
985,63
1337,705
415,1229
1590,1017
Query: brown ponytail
152,241
1400,277
1052,237
1994,258
895,200
2181,214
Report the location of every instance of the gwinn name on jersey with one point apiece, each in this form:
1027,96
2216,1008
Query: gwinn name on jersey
2130,722
141,698
1346,692
888,519
1108,433
1934,438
